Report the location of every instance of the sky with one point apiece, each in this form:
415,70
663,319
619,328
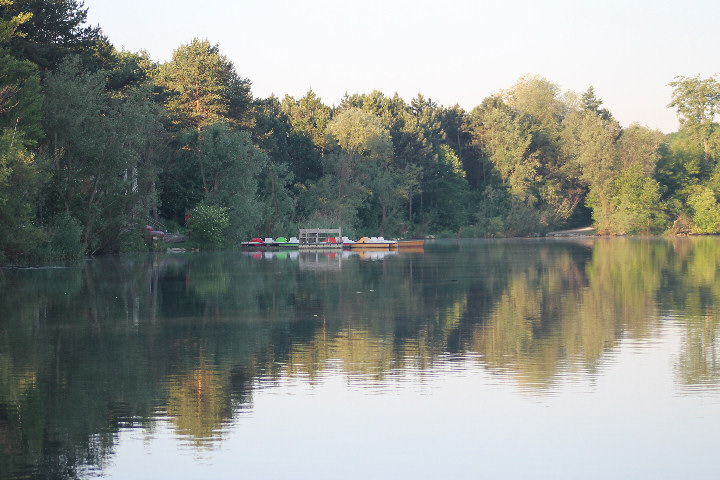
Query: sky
450,51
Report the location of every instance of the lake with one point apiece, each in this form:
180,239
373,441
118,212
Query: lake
514,359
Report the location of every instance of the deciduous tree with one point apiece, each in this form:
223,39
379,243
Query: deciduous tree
697,101
103,168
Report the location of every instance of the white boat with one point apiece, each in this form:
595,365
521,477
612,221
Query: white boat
373,242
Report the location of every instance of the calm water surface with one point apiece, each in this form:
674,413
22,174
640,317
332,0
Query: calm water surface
480,359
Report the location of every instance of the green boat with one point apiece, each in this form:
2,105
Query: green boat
285,243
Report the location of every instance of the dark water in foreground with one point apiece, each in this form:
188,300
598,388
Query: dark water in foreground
503,359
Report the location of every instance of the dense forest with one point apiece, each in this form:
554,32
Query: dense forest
97,143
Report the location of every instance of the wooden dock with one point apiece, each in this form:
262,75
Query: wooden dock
316,238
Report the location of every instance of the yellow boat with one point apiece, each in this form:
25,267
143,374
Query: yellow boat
372,242
411,244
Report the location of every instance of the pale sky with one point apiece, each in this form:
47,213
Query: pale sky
451,51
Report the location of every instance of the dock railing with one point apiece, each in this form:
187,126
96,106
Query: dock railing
318,237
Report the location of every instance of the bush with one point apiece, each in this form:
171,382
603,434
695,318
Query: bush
64,236
705,211
209,225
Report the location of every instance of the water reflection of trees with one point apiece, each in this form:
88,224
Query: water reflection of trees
87,351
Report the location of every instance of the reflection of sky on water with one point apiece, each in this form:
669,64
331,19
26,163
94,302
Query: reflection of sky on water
512,359
457,419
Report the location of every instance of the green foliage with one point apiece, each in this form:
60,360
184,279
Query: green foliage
65,234
382,181
622,193
639,145
449,191
130,69
209,226
635,200
507,142
337,196
705,210
204,92
681,165
54,30
697,101
492,208
10,22
180,186
360,134
591,103
232,167
277,200
20,181
360,165
20,99
204,87
537,102
93,147
104,155
308,116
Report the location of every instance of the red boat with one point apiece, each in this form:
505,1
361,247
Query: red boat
255,242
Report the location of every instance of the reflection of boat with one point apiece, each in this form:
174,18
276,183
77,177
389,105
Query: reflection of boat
412,249
372,242
320,260
374,253
281,254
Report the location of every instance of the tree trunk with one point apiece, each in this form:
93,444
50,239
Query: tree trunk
382,221
90,219
410,206
274,193
154,200
202,166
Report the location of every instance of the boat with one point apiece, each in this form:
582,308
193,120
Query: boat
254,243
373,242
411,243
283,242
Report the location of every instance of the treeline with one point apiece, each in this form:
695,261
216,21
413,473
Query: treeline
97,143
